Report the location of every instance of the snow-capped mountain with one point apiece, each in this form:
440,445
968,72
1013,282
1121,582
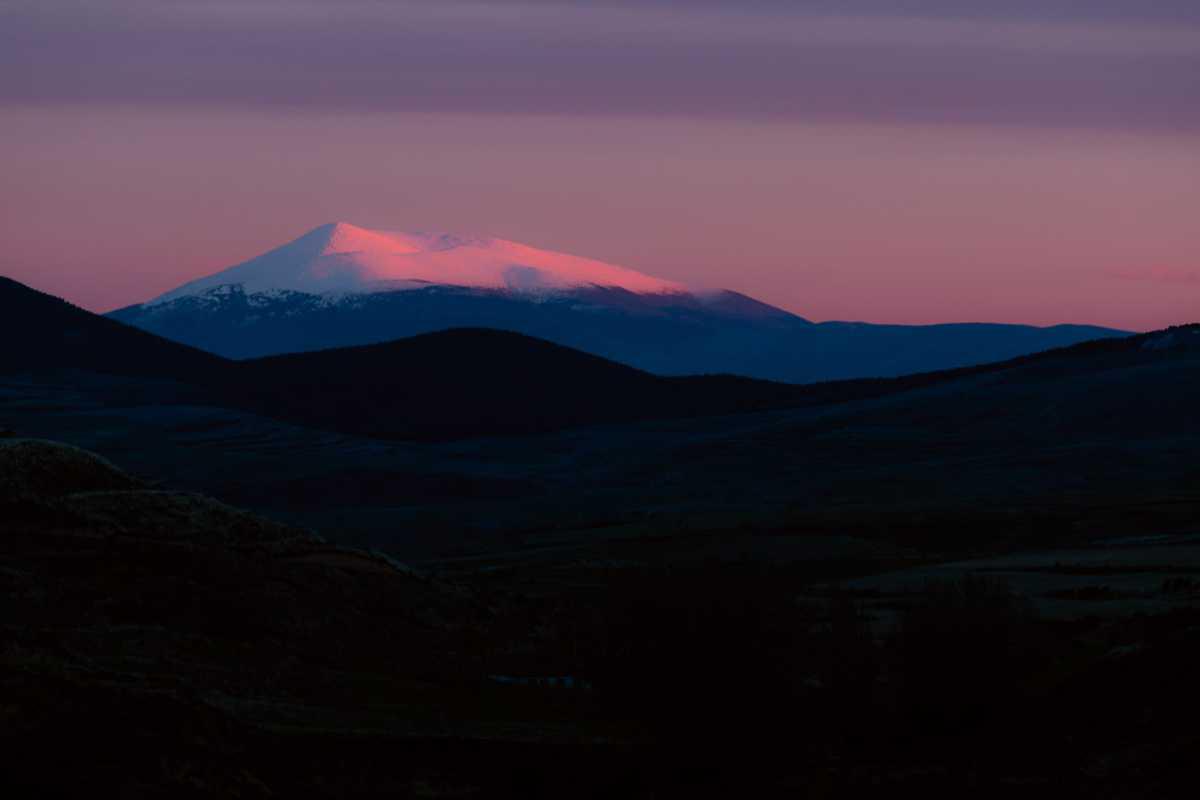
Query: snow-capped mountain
344,258
341,285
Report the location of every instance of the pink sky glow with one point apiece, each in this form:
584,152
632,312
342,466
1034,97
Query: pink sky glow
886,223
943,160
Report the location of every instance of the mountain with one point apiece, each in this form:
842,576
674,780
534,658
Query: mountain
1142,386
340,257
1001,450
469,382
476,382
341,285
437,386
41,332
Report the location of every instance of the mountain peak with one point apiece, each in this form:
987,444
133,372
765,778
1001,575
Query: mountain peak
342,257
344,238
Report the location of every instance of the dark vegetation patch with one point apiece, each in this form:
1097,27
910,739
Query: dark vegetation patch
1089,594
381,487
166,645
1105,569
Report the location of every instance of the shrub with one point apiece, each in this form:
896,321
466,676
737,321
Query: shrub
962,650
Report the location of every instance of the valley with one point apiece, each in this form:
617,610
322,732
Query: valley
921,568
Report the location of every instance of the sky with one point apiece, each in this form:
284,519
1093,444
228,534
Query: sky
1029,161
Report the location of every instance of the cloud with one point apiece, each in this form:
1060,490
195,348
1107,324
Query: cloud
1167,275
1102,67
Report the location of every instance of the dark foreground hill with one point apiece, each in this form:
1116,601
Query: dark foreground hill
162,644
149,633
444,385
475,382
472,382
1120,390
668,334
452,384
42,332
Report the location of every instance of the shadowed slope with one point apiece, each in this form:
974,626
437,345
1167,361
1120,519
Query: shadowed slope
144,630
469,382
1143,385
458,383
447,385
668,333
42,332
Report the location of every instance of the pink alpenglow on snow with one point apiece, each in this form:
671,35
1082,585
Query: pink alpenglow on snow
340,257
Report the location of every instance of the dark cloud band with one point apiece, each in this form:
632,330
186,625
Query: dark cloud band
1088,67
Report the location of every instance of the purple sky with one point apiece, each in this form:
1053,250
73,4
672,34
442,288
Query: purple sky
891,161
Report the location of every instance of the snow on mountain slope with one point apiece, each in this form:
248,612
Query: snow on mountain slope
341,285
344,258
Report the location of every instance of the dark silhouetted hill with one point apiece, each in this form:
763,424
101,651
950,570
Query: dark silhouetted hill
479,382
41,332
667,334
469,382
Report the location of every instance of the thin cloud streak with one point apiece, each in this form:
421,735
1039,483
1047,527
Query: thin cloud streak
654,23
606,60
1186,277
